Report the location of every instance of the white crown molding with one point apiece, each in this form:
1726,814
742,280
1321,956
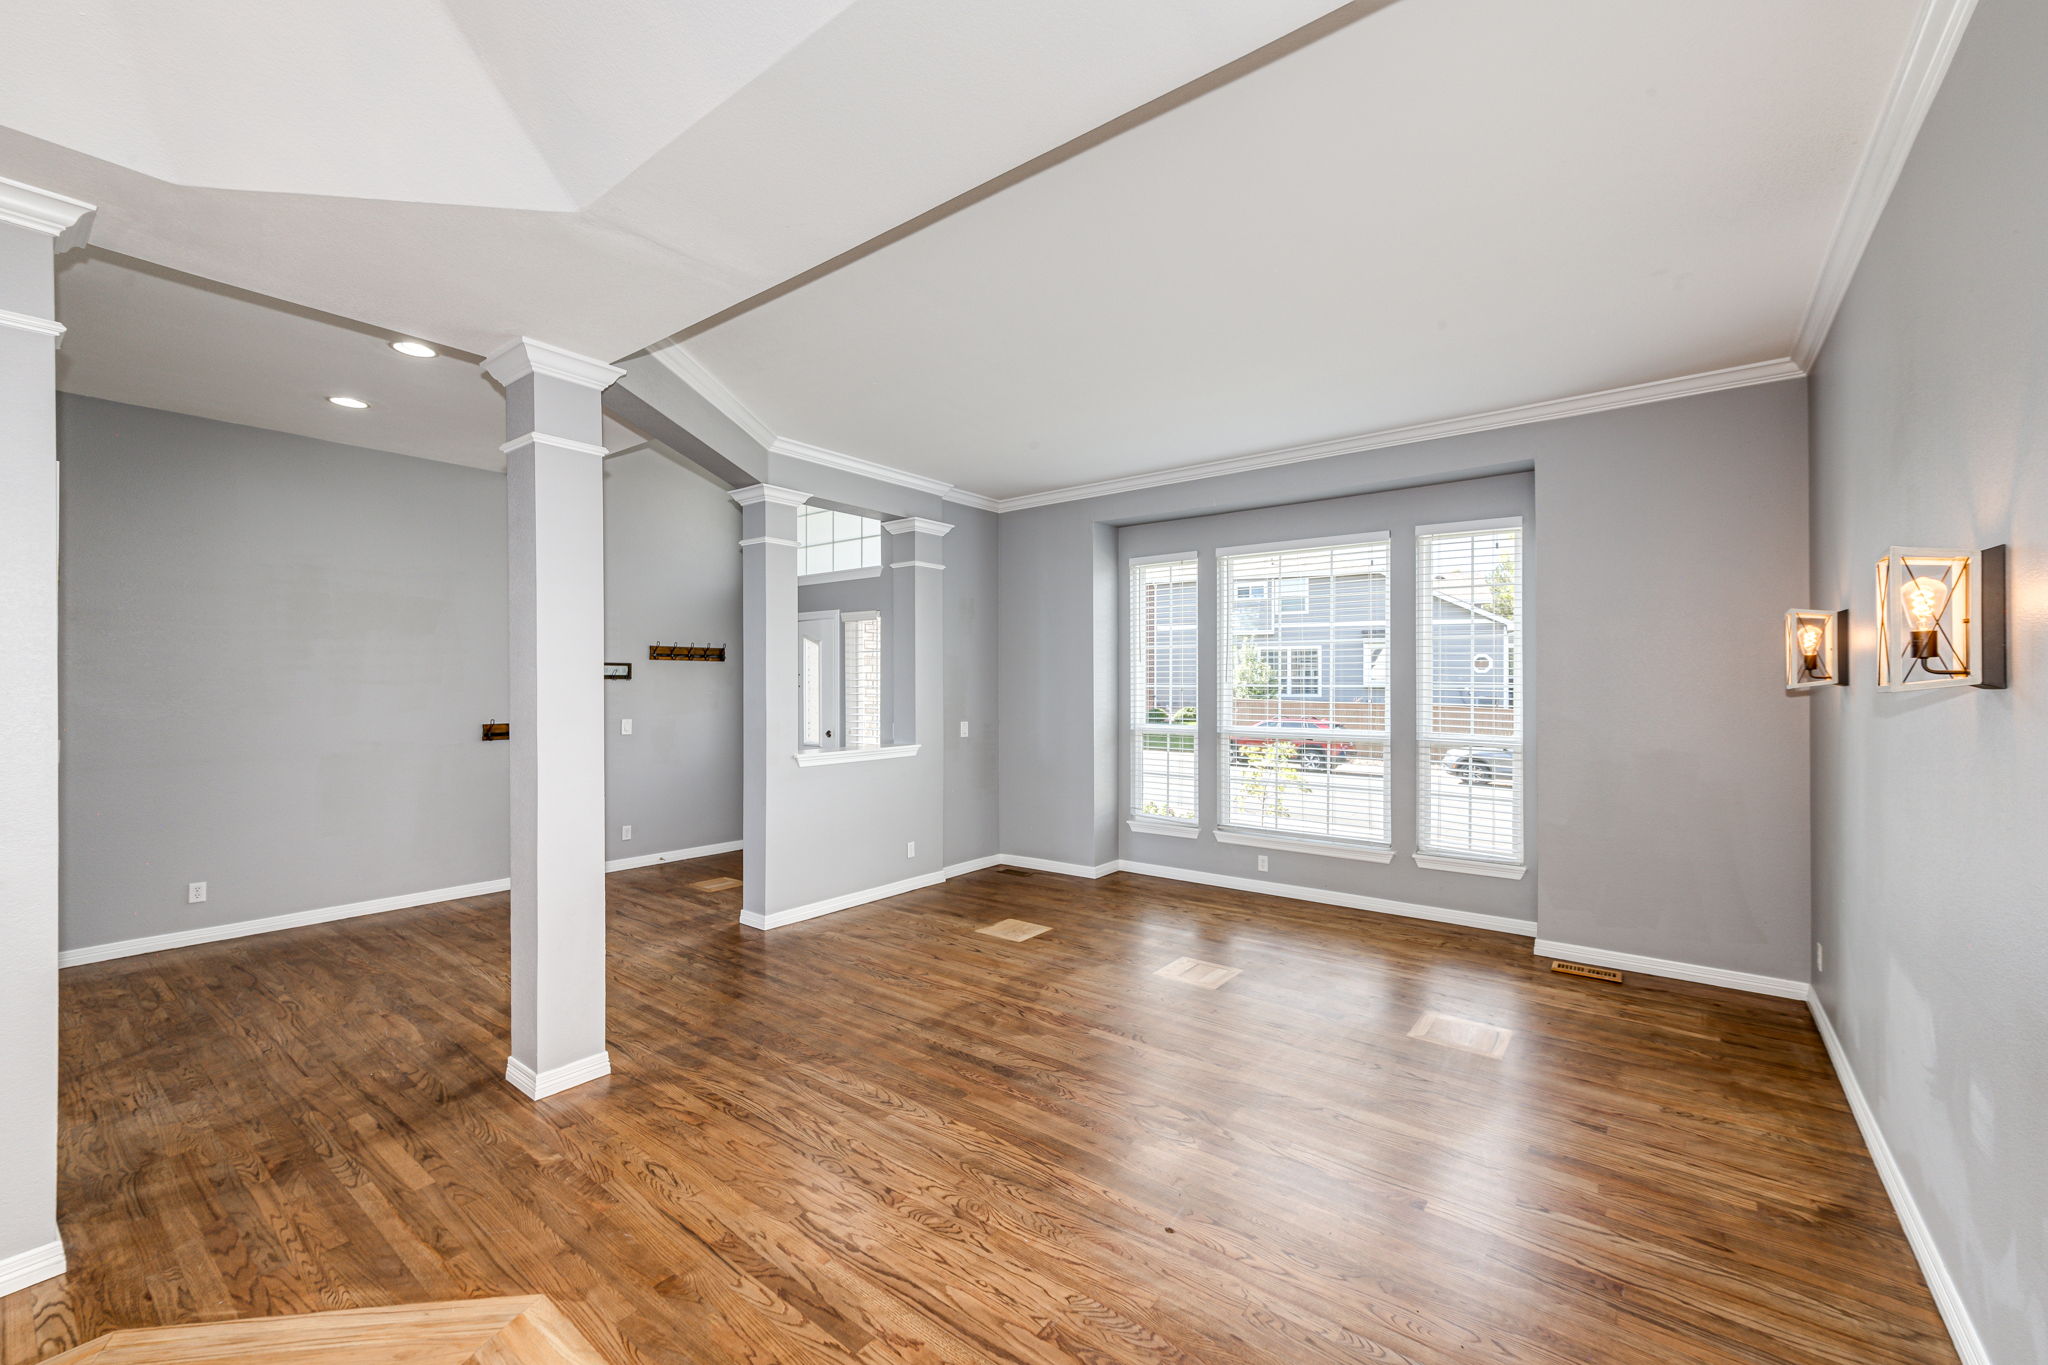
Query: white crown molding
29,322
923,526
686,367
535,438
1711,381
60,216
671,356
517,359
768,492
1926,63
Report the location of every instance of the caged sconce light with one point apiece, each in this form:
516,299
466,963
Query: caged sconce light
1815,655
1940,619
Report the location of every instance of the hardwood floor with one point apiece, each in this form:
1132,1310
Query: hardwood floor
886,1137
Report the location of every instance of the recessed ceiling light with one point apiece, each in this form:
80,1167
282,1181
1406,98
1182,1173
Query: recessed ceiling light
415,348
343,401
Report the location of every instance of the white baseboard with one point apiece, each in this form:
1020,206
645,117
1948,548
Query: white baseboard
33,1266
777,919
214,933
1781,986
674,855
1064,869
972,865
1500,924
1940,1283
538,1085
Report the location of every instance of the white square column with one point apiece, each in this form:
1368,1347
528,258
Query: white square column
768,651
554,504
34,225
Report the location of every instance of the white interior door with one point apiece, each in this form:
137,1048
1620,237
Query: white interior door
818,722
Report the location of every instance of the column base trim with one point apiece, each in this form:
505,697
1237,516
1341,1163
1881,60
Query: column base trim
33,1266
538,1085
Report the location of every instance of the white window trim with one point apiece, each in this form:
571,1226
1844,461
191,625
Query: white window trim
1175,829
1448,528
1358,853
1472,866
839,575
1312,543
819,758
1322,689
1134,729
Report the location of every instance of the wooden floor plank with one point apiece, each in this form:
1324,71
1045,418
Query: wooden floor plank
890,1138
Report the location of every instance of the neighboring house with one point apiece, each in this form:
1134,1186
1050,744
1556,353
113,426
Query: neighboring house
1324,646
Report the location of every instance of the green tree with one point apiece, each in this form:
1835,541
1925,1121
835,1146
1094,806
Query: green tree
1502,585
1254,675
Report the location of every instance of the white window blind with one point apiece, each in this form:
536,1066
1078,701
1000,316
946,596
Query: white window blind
862,643
1468,673
1164,684
1302,718
836,542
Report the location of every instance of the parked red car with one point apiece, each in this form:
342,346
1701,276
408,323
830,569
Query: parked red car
1310,752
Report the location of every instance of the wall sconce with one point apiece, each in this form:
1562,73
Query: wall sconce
1940,619
1815,655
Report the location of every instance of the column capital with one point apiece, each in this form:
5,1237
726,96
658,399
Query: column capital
923,526
768,492
55,215
525,356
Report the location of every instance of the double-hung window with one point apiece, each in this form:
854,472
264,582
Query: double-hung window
1164,682
1468,671
1302,692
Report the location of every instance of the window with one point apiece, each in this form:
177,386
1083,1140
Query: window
863,645
1469,651
837,543
1297,669
1164,780
1302,692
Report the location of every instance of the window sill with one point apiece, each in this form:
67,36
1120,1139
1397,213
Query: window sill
1173,829
804,580
1511,871
819,758
1355,852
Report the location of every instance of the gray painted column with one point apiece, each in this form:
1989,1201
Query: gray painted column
554,502
34,224
768,516
916,654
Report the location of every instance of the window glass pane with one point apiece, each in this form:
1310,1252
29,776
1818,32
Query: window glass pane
1469,650
1303,692
1164,689
846,554
870,552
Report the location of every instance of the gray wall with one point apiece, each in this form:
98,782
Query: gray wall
276,653
1398,513
1930,427
1671,784
672,576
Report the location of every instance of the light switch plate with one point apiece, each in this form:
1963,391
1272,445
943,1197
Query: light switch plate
625,727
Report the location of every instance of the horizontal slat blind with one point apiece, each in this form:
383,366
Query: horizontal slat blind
1305,665
1165,638
1468,671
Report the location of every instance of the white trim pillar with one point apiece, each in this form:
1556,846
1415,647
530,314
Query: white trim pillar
34,225
554,506
768,653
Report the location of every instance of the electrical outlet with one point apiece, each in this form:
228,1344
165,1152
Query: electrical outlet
1262,862
625,727
195,892
963,729
625,831
1820,957
911,850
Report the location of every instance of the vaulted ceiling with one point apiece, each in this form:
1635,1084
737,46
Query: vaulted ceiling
1010,247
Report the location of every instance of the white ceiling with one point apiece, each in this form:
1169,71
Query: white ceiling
596,176
138,333
1451,207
